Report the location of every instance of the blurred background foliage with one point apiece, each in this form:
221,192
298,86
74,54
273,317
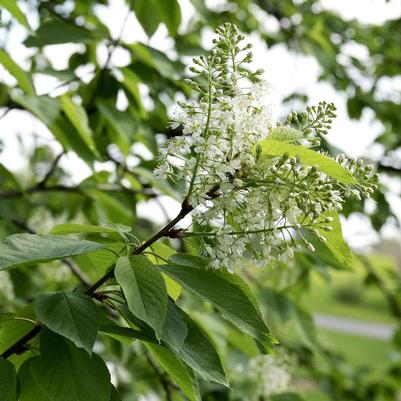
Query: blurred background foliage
112,116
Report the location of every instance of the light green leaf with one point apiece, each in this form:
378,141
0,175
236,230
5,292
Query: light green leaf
309,157
8,381
226,291
43,107
72,228
30,249
285,134
144,289
335,241
165,252
23,79
178,371
12,7
72,315
78,118
66,373
7,178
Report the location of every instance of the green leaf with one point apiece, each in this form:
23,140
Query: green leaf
73,315
147,12
175,327
335,242
114,396
200,354
43,107
285,134
7,178
23,79
270,147
8,381
66,373
30,249
170,15
5,316
144,289
57,31
72,228
12,7
178,371
29,388
165,252
79,119
226,291
122,123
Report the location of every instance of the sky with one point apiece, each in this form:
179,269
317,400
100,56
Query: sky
286,72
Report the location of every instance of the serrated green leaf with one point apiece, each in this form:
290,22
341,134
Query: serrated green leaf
144,289
177,370
8,381
12,7
23,79
270,147
226,291
66,373
29,249
72,315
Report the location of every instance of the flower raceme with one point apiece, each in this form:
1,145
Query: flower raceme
268,204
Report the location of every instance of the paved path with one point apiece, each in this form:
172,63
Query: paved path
352,326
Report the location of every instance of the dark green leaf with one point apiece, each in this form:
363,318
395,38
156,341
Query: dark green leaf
73,315
56,32
178,371
145,290
226,291
29,388
66,373
29,249
8,381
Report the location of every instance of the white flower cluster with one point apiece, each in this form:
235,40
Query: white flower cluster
261,377
270,375
248,209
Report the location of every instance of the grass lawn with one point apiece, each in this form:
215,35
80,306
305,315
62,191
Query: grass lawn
346,295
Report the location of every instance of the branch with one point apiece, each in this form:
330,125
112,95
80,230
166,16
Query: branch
42,183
